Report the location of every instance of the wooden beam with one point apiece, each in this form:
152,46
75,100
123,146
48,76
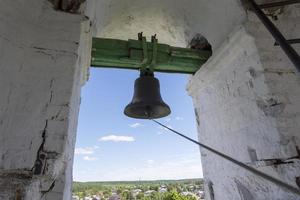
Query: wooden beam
113,53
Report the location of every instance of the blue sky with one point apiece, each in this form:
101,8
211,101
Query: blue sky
113,147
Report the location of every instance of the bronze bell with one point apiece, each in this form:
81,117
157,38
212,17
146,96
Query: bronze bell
147,102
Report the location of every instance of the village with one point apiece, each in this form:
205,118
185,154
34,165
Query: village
177,190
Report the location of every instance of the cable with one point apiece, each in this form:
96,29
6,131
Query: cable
251,169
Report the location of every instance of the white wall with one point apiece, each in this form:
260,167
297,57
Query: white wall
174,21
40,80
247,100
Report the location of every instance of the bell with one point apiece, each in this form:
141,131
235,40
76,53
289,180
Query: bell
147,102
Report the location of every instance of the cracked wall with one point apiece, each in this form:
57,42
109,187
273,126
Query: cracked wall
247,100
42,69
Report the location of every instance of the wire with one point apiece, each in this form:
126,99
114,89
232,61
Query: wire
251,169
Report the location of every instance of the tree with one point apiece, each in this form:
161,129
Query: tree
125,195
106,193
119,190
140,196
174,195
154,187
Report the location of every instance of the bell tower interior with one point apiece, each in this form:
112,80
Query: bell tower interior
246,95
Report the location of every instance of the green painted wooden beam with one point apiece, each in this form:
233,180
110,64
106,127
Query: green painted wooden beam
113,53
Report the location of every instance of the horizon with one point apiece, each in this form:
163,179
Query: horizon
184,179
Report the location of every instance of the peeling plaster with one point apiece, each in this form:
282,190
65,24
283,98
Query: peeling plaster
174,21
41,76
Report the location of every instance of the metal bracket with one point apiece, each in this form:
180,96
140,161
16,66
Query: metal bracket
278,4
147,66
154,55
277,161
286,47
144,63
291,41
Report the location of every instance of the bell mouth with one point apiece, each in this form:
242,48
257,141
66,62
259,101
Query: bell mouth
144,111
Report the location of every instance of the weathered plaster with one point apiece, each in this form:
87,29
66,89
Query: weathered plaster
174,21
246,96
41,73
247,100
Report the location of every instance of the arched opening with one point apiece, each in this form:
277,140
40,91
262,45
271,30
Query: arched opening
113,147
124,149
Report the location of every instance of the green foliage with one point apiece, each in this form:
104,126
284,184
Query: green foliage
140,196
174,195
126,195
125,189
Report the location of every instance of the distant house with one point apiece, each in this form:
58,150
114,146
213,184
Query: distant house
135,192
149,192
162,189
187,193
114,197
200,193
190,194
75,197
95,197
191,187
113,193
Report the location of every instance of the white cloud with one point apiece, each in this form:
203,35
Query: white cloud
150,162
117,138
89,158
179,118
84,151
135,125
170,167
